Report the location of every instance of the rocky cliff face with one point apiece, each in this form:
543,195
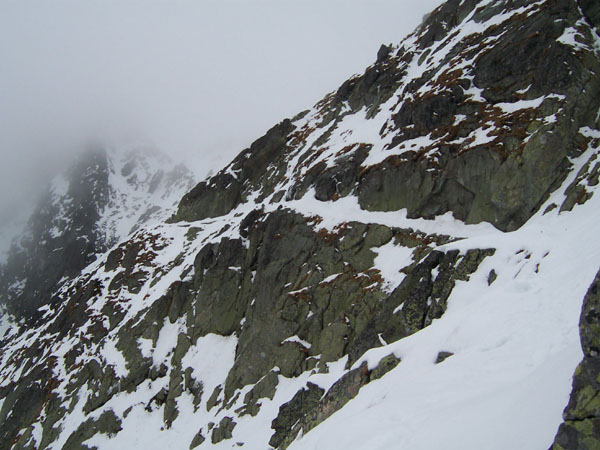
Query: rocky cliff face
350,278
463,116
581,428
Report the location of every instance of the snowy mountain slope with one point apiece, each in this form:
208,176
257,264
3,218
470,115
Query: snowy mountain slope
530,301
514,344
350,278
457,118
105,195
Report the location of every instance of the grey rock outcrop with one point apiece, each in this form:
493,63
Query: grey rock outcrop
496,127
581,427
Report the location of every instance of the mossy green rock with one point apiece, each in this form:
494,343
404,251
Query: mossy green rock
286,424
197,440
223,430
581,427
223,192
386,364
312,405
265,388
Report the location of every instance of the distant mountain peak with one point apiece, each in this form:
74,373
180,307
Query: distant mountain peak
107,193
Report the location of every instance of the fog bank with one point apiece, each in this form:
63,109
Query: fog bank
200,79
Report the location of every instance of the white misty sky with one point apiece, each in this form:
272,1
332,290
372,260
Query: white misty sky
200,79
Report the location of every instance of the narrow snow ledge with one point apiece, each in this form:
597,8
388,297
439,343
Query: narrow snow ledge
347,209
521,104
297,340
